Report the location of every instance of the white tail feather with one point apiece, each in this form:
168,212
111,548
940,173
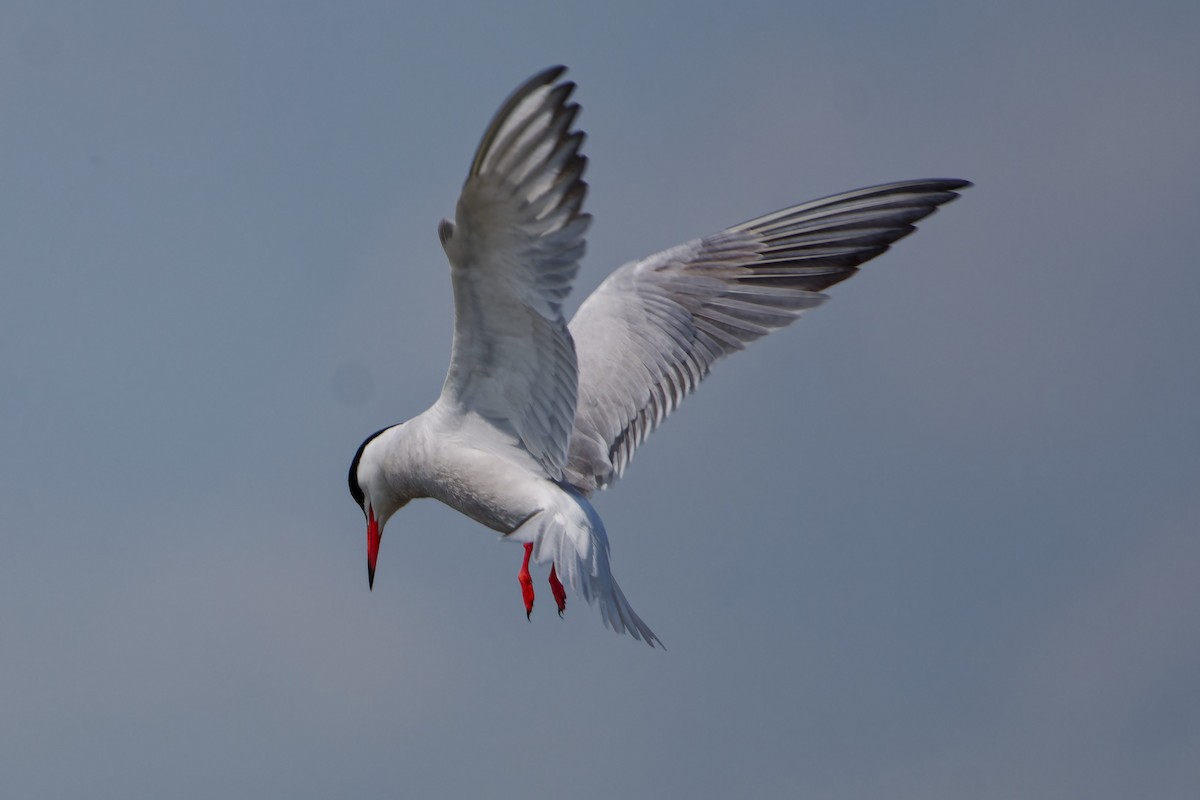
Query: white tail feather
569,534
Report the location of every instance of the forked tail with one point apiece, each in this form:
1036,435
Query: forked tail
570,535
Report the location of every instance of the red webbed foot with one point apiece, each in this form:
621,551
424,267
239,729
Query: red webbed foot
526,582
560,594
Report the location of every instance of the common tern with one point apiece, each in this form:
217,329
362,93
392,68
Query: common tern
537,414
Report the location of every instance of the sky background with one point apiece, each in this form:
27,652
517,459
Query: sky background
940,539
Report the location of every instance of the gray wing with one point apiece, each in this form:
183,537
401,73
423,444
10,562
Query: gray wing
514,251
652,331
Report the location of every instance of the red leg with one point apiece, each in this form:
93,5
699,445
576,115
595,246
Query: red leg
560,594
526,582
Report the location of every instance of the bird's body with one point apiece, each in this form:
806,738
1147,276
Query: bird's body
535,414
458,460
452,459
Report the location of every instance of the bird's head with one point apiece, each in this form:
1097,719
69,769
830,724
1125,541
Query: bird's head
373,492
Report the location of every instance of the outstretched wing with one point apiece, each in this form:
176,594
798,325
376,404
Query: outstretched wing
514,250
652,331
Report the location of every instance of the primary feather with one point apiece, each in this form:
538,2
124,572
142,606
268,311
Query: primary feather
652,331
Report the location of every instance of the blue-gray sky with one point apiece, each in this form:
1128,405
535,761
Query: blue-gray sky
938,540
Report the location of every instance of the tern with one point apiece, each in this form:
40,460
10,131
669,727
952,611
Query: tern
537,414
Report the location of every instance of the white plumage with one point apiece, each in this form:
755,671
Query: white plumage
536,414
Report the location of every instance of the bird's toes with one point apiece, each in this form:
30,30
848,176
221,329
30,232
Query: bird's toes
560,594
526,592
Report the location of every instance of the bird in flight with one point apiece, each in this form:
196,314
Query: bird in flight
537,414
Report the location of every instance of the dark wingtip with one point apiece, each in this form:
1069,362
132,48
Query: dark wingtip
953,184
370,578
